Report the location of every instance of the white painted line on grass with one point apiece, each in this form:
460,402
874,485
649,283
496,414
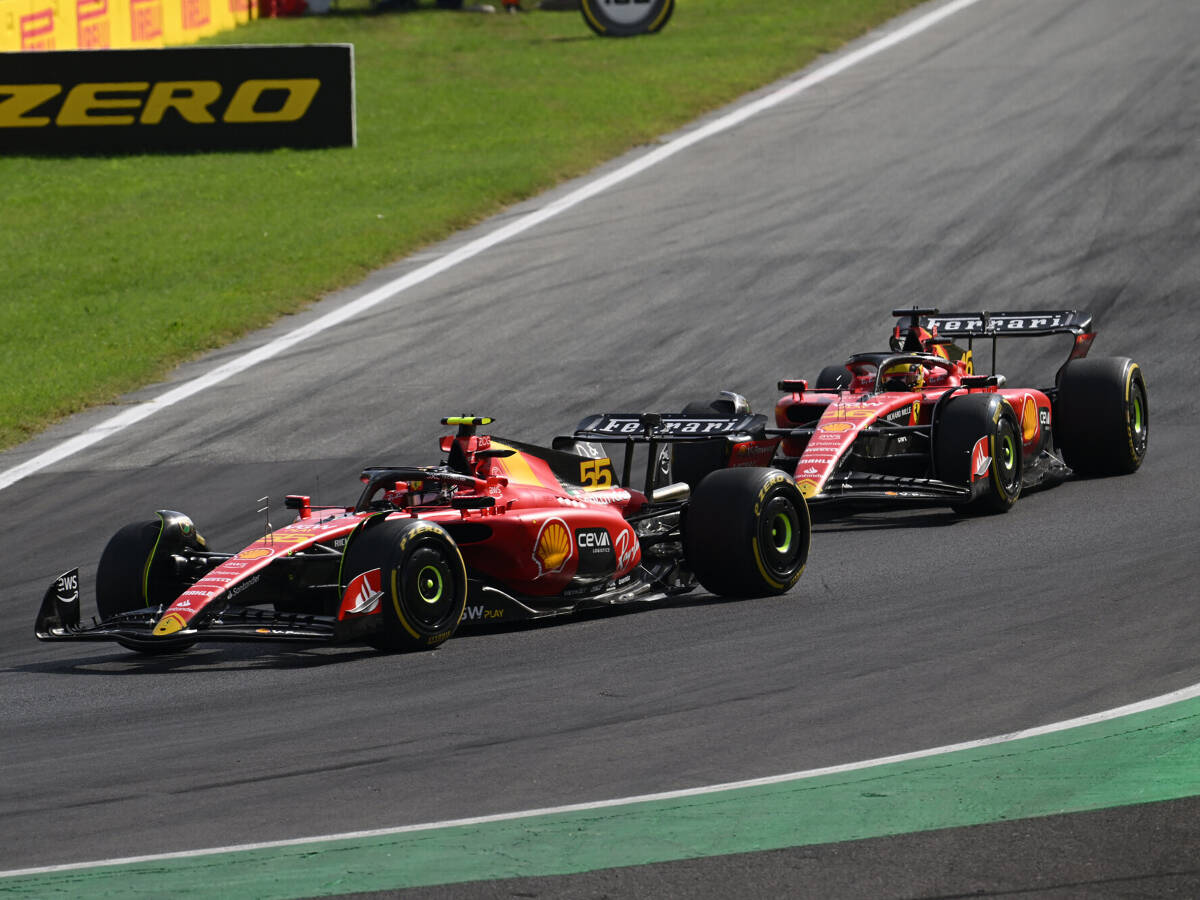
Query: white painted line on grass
133,415
1179,696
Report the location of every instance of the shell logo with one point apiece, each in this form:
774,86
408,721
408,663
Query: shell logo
255,553
838,426
553,547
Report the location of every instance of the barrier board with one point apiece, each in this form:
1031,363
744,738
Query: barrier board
177,99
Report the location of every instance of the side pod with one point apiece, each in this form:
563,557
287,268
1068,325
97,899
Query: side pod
60,607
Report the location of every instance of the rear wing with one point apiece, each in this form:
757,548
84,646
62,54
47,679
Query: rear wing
658,431
1011,324
949,327
644,427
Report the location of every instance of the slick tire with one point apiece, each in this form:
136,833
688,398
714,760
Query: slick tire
131,575
963,422
423,579
626,20
747,532
833,377
1102,416
126,569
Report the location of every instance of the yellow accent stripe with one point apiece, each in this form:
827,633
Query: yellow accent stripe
662,14
169,624
762,570
517,468
399,611
587,11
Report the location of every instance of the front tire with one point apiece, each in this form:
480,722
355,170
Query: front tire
1102,416
136,572
962,424
747,532
423,579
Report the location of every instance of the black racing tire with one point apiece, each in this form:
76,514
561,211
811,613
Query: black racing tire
603,22
962,423
833,377
131,576
1102,416
423,578
747,532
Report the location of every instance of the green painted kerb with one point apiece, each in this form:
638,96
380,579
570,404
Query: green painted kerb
1149,756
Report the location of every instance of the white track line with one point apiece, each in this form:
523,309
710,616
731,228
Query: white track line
1188,693
135,414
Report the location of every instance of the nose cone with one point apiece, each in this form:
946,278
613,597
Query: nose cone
169,624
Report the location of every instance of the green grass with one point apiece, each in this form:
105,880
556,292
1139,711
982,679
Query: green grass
116,269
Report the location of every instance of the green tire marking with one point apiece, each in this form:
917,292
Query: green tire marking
430,578
782,545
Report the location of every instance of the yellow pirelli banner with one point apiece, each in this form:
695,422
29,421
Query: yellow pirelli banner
106,24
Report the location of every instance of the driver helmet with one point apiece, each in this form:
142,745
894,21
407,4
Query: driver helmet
908,376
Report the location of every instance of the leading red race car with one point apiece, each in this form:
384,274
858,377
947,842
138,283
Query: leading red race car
916,423
498,531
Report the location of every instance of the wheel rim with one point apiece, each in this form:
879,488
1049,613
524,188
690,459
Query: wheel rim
430,584
779,537
1006,457
781,533
1138,420
429,591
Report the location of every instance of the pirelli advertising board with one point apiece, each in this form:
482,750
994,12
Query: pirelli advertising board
177,99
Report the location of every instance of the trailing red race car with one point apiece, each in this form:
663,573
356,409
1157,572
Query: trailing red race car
916,423
498,531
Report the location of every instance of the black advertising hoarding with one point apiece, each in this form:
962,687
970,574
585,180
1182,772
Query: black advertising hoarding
177,99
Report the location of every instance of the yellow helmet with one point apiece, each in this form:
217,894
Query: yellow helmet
907,376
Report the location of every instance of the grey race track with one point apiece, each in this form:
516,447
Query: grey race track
1023,153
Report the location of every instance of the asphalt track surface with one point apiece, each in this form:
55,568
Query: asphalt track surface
1022,154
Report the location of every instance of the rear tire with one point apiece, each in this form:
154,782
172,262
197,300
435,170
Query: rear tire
1102,416
963,422
423,579
747,532
833,377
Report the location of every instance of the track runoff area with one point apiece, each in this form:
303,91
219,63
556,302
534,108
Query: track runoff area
1140,753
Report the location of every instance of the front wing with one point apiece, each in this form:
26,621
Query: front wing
59,620
59,616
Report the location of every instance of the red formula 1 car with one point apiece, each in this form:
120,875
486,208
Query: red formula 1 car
916,423
498,531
